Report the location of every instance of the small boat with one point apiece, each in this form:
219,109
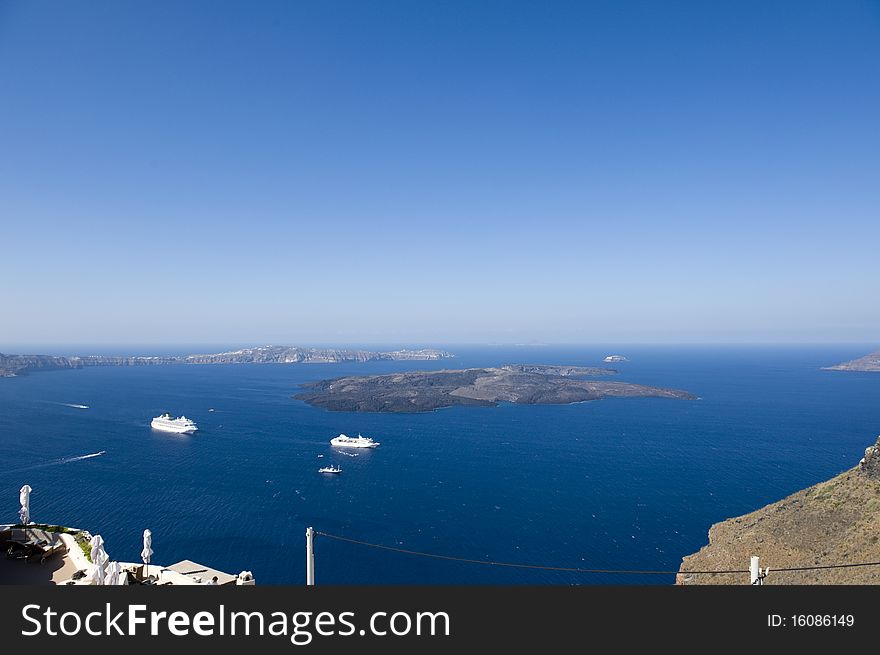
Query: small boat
330,469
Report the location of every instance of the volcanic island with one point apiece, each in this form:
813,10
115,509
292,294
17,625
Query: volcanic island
424,391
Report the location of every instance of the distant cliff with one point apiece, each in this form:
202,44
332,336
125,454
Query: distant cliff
12,365
867,363
296,355
833,522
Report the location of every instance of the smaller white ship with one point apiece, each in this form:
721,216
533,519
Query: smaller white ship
179,425
615,358
343,441
330,469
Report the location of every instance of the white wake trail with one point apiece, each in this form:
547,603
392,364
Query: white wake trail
79,457
73,405
56,462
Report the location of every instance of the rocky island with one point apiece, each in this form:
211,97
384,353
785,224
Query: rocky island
422,391
867,363
12,365
833,522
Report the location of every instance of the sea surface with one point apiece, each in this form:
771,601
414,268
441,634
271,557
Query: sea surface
612,484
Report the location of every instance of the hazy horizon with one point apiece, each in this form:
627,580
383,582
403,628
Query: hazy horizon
439,173
857,348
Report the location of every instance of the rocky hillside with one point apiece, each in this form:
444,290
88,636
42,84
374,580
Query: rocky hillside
833,522
867,363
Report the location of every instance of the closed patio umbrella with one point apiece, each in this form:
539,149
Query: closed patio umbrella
24,496
115,575
147,552
98,572
113,570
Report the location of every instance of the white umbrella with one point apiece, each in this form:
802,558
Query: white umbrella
115,575
113,570
147,552
99,560
24,496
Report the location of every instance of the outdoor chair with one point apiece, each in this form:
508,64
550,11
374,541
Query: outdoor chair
57,547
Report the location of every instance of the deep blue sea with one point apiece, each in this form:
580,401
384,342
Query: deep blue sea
625,483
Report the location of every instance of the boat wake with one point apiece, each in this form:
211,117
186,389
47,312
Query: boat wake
342,452
74,405
56,462
67,460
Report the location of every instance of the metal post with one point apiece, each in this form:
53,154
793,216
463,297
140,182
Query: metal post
310,557
755,571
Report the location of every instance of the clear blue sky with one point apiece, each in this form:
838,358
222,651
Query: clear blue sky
439,172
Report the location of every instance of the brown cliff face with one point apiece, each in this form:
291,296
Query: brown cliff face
833,522
870,464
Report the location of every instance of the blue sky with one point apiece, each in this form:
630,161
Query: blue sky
439,172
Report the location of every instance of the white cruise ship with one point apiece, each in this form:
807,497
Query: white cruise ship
180,425
343,441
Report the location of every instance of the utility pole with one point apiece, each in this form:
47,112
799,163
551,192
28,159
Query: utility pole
756,575
310,557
